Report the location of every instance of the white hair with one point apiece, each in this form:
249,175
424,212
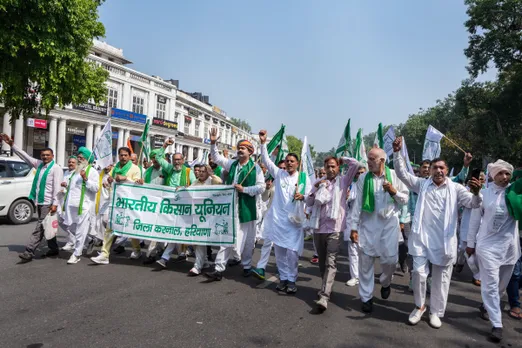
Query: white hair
380,152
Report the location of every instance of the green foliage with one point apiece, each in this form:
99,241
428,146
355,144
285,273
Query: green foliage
239,123
43,46
295,145
320,157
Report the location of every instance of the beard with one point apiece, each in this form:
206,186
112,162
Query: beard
81,166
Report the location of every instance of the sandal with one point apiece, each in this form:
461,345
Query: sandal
515,313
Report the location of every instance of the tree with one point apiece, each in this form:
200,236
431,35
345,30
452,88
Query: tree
320,157
495,34
43,46
295,145
241,124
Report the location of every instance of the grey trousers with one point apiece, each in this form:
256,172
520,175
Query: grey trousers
38,233
327,246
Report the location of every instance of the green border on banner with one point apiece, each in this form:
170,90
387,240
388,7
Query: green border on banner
173,190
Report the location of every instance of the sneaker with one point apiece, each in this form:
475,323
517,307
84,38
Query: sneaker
435,321
410,285
101,259
283,284
483,312
385,292
322,304
135,255
496,334
314,260
353,282
181,258
193,272
214,276
428,285
26,256
247,272
73,259
68,247
120,249
162,263
416,315
367,307
234,262
259,273
291,288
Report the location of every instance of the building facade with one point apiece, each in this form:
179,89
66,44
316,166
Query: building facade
132,99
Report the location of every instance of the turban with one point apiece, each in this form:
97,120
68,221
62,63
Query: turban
498,166
86,153
246,144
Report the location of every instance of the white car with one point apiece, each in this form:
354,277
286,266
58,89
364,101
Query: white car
16,179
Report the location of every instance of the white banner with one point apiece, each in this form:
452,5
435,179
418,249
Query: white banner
404,154
204,215
308,162
432,144
103,148
388,138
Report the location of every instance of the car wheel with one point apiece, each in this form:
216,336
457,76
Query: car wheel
21,212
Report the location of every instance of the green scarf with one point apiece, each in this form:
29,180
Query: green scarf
369,191
82,195
117,170
148,175
246,203
43,181
218,171
514,199
184,179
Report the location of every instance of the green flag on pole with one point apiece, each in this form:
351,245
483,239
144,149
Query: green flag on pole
345,144
145,141
278,142
360,149
379,137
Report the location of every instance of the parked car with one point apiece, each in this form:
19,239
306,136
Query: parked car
16,179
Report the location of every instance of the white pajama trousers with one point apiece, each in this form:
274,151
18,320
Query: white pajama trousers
246,238
265,253
353,257
287,262
78,233
440,283
201,257
367,275
492,286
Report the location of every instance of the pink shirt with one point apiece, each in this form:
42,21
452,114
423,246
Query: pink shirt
327,225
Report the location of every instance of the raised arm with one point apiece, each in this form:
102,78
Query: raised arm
33,162
412,182
160,158
219,159
270,166
465,169
353,167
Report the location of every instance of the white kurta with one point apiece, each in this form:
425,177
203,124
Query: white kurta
492,231
379,231
434,228
278,227
70,213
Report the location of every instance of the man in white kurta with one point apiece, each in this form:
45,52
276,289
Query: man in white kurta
250,184
71,168
288,237
78,202
376,227
493,236
434,232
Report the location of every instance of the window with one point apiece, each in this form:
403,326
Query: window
137,104
187,127
19,169
176,116
3,171
161,110
205,131
196,132
227,137
112,99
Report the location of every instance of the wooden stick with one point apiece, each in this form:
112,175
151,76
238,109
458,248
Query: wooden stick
250,171
455,144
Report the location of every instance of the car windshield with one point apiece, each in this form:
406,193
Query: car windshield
19,169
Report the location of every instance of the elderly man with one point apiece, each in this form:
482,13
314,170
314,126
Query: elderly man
44,192
433,237
205,177
78,202
123,171
247,177
71,168
375,225
493,236
328,219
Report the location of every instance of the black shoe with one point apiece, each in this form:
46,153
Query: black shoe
291,288
120,249
181,258
247,272
283,284
484,313
142,244
459,268
26,256
234,262
214,276
149,260
496,334
52,253
385,292
367,307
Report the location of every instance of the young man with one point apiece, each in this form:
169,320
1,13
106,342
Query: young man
44,193
328,220
287,236
493,237
123,171
205,177
433,238
375,225
80,196
247,177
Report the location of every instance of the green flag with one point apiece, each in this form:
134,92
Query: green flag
360,150
145,141
345,144
278,142
379,137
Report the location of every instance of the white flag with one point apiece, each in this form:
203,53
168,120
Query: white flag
202,159
389,137
451,172
308,162
404,154
432,144
360,150
103,148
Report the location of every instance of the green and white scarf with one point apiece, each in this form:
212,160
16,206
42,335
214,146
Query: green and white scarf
117,170
369,191
43,181
246,204
82,194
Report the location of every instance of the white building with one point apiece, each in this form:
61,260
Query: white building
133,97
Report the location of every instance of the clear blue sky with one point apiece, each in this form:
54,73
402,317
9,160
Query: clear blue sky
308,64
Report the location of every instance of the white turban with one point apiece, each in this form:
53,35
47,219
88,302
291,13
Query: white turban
497,167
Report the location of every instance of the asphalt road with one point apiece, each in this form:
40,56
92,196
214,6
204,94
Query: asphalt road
47,303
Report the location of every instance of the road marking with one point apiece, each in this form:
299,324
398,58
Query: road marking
267,282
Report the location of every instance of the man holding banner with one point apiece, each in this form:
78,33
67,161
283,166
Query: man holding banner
248,179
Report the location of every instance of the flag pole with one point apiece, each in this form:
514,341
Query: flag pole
455,144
